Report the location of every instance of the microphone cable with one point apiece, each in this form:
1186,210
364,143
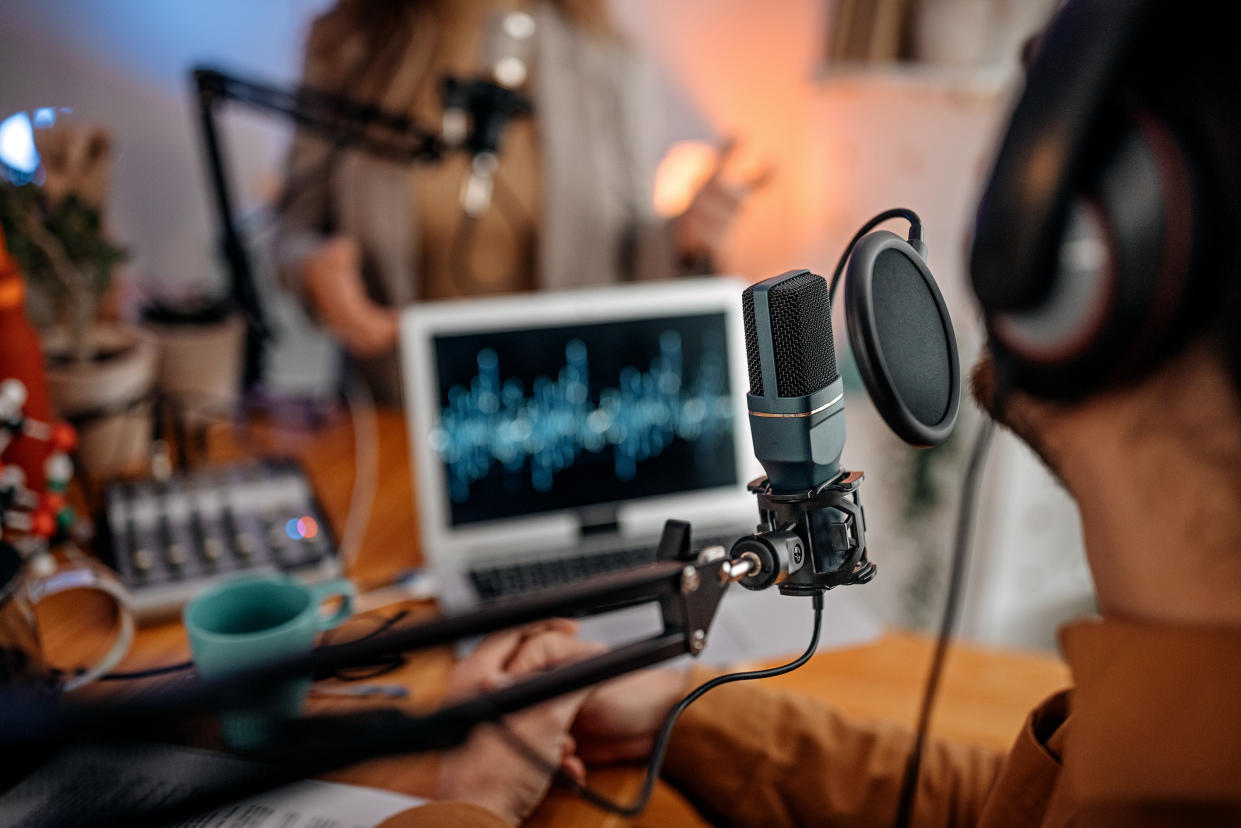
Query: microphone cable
464,239
602,801
915,235
956,577
386,623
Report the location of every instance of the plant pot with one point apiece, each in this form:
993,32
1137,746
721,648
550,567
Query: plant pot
107,398
199,370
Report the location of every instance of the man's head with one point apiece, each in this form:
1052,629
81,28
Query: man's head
1174,88
1152,451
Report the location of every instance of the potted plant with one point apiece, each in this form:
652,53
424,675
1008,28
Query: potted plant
99,373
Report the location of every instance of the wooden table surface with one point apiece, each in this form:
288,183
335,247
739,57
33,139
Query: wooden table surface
984,698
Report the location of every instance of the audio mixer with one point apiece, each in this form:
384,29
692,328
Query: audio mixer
167,539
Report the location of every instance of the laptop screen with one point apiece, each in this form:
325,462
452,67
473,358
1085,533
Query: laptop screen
550,418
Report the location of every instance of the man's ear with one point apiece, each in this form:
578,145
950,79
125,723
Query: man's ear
1030,49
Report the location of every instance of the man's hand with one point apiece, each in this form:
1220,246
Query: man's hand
620,719
486,770
332,280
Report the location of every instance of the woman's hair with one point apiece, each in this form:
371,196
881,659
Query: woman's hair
361,42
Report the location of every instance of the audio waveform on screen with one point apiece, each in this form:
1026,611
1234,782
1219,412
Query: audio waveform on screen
494,421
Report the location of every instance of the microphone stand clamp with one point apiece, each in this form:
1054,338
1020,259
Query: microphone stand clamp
809,541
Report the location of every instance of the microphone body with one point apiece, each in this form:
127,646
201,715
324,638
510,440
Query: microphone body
811,535
796,399
477,110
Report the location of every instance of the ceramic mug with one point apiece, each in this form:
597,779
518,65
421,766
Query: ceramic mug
244,622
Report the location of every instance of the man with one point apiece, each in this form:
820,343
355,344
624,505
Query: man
1151,732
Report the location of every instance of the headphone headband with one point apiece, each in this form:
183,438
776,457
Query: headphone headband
1024,209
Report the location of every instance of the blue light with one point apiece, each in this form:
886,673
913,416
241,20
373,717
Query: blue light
291,529
493,421
45,117
17,149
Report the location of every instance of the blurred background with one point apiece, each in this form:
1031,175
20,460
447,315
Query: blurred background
837,110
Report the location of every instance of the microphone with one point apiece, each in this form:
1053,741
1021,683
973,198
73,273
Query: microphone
809,507
796,400
476,111
812,529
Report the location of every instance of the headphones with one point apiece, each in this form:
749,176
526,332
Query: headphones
1090,230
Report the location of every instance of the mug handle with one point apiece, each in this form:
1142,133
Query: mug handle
91,577
338,588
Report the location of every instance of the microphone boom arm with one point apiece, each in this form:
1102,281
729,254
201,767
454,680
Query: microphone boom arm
688,588
345,122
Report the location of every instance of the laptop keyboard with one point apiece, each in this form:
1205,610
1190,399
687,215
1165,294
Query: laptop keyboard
527,576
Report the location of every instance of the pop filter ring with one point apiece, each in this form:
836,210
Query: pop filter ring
868,349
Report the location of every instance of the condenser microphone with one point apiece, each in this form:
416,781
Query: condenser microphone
796,400
477,111
812,530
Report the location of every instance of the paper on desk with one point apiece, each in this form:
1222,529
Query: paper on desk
76,787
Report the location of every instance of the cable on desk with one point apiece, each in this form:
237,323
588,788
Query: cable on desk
960,554
134,675
394,661
377,670
599,800
366,470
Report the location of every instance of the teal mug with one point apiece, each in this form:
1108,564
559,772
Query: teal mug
242,623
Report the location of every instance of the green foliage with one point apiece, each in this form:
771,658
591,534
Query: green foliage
78,228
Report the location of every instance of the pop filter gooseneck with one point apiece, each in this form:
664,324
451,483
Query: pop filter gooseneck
906,352
900,332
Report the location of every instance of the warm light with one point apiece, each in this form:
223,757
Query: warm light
680,174
518,25
510,71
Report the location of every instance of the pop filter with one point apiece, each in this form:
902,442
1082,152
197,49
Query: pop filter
902,339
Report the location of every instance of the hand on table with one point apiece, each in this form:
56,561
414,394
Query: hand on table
332,280
486,770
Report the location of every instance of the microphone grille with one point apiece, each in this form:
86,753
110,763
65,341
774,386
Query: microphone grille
751,343
801,335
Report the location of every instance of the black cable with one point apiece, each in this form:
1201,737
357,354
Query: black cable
151,673
383,667
956,577
915,234
393,661
463,237
639,804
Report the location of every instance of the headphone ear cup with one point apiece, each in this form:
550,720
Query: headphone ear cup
1122,271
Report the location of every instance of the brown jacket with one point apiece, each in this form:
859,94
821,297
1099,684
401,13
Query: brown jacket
1149,736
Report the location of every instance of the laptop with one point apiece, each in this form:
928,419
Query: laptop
552,434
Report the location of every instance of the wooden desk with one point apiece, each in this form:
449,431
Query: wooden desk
984,699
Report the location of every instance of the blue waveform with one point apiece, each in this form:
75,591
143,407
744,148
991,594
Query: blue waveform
495,421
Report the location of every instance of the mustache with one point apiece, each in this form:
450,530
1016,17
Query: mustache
984,385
